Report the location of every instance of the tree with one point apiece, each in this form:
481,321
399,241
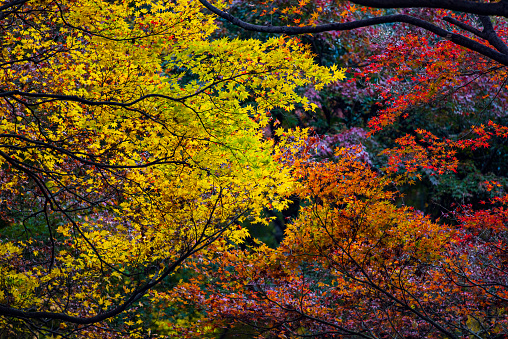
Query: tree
355,265
129,142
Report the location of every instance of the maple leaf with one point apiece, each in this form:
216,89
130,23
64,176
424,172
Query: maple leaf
131,149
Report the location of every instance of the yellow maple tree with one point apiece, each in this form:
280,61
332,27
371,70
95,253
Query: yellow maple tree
129,141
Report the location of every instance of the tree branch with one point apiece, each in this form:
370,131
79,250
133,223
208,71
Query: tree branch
465,27
346,26
473,7
491,35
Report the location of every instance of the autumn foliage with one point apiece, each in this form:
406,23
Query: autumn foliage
138,146
129,141
355,264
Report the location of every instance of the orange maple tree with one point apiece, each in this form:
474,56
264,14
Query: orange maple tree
355,264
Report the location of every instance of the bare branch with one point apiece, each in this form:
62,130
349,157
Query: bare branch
474,7
346,26
491,35
465,27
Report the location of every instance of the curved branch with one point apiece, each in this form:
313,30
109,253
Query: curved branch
474,7
12,4
100,35
136,295
9,5
17,313
73,155
75,98
346,26
465,27
491,35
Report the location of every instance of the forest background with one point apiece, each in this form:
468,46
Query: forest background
167,173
